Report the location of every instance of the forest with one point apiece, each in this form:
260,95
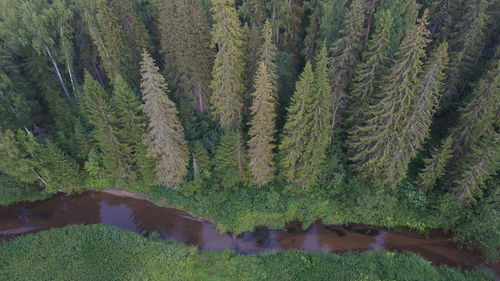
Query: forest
257,113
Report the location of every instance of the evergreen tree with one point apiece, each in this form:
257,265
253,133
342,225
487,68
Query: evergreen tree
297,128
17,151
227,82
320,136
345,55
58,170
130,123
128,113
262,127
326,20
478,165
435,167
268,53
481,112
116,154
467,43
185,43
111,42
385,144
368,73
231,160
404,14
165,135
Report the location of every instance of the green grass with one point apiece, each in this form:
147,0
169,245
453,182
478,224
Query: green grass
98,252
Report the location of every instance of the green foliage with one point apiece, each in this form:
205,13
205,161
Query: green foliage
398,111
59,171
13,191
90,254
231,160
228,70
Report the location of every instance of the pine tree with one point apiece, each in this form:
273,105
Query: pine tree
320,136
268,53
227,83
165,135
185,43
231,160
384,145
368,73
116,155
297,128
262,127
435,167
345,55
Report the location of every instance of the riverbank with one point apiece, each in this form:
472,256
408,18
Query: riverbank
98,252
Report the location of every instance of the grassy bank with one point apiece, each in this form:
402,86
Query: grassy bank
98,252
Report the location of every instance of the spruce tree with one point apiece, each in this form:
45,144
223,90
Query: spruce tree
345,56
297,129
384,145
262,127
231,160
227,74
111,42
478,165
59,171
131,125
404,14
165,135
117,157
467,43
476,140
368,73
185,44
320,135
435,167
480,113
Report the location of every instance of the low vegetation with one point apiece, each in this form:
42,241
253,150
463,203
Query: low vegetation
90,253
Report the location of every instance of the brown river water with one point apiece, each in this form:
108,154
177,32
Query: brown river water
144,217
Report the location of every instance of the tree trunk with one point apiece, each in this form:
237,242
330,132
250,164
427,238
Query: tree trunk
56,68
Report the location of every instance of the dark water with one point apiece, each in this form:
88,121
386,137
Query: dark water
144,217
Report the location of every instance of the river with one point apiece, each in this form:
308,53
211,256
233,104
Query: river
144,217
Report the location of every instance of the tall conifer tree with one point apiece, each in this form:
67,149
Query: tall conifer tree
262,127
116,154
165,135
320,136
382,144
297,128
185,44
368,73
345,55
227,74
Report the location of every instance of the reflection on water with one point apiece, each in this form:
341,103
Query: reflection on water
144,217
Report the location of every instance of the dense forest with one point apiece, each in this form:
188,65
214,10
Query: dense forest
255,112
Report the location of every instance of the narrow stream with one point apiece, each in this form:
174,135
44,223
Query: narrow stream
142,216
